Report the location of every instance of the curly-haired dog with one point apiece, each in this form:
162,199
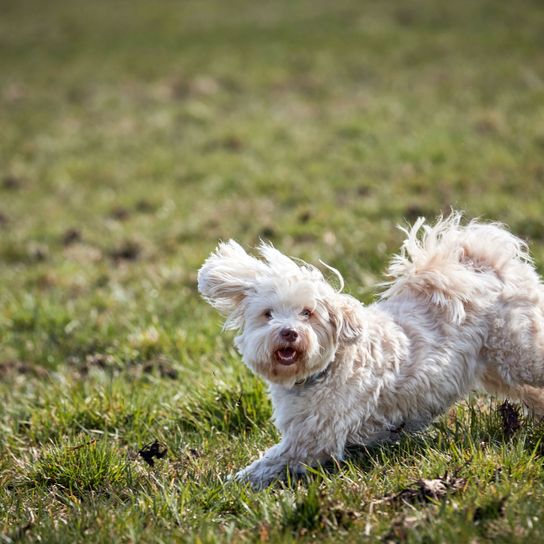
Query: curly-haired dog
464,310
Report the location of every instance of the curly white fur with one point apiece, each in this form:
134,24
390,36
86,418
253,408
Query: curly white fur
463,310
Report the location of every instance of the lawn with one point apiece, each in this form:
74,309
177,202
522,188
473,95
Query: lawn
134,136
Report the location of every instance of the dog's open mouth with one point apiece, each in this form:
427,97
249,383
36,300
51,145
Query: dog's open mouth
286,356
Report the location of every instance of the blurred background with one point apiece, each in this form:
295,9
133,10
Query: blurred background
135,135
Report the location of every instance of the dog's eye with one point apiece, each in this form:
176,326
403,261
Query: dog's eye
268,314
306,312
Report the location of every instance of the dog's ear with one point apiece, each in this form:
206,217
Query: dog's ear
227,277
345,316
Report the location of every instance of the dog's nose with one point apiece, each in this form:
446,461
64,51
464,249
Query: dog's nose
290,335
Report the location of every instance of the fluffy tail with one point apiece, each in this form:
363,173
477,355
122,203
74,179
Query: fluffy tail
451,265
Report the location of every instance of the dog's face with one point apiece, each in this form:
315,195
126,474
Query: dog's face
288,333
290,319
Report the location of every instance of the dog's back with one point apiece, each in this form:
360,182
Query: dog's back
484,273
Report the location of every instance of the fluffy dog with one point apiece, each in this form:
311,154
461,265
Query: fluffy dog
463,310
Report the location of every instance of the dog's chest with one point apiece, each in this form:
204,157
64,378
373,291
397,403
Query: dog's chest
301,406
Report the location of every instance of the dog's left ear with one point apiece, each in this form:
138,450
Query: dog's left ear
345,315
227,277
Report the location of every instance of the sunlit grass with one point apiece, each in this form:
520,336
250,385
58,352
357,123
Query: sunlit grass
135,135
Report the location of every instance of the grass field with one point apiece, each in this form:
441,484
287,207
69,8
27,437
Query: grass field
134,136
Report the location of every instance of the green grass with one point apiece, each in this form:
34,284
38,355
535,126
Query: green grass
135,135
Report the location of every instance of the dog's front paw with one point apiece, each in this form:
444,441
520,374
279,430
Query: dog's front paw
256,478
260,474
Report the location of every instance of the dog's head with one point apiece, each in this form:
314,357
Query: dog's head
291,321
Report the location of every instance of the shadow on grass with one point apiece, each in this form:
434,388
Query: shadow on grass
458,438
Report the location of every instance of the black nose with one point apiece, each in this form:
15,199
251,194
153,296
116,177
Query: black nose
290,335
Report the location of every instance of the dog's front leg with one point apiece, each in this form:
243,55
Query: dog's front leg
269,467
293,453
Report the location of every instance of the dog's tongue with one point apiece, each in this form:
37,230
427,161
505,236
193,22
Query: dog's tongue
287,356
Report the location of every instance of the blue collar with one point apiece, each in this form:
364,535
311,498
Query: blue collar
314,378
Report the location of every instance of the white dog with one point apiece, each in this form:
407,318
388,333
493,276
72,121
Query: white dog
464,310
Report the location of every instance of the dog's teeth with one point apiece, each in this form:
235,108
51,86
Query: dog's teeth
286,355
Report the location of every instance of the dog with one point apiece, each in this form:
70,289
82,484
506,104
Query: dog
463,310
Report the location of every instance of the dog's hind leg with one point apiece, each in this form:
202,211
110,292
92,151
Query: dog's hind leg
533,398
528,395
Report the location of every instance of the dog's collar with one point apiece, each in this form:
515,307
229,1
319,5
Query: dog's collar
314,378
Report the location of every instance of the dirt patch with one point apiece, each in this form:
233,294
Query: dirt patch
71,236
161,365
144,206
21,368
304,217
127,251
99,360
12,183
232,144
119,213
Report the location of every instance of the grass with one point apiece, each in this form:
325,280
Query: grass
137,134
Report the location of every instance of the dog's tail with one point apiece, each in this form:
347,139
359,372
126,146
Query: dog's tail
452,265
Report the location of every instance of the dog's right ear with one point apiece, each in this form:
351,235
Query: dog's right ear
226,278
